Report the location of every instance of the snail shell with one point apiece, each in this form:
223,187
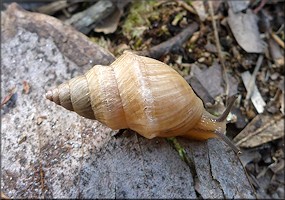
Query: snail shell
141,94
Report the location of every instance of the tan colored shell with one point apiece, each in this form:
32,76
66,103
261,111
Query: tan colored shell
139,93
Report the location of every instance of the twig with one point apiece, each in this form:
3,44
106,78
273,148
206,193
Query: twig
252,78
174,42
216,17
218,45
277,39
262,3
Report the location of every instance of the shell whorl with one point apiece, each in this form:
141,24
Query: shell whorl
93,95
74,96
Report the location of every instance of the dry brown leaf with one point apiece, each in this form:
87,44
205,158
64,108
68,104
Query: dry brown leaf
262,129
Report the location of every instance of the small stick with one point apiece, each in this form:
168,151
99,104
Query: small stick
174,42
262,3
186,6
218,45
277,39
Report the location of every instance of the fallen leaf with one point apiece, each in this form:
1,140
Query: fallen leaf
262,129
110,23
200,90
245,30
211,79
238,6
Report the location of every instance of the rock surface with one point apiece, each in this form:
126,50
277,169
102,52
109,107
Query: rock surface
49,152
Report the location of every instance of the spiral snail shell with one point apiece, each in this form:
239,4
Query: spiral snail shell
141,94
